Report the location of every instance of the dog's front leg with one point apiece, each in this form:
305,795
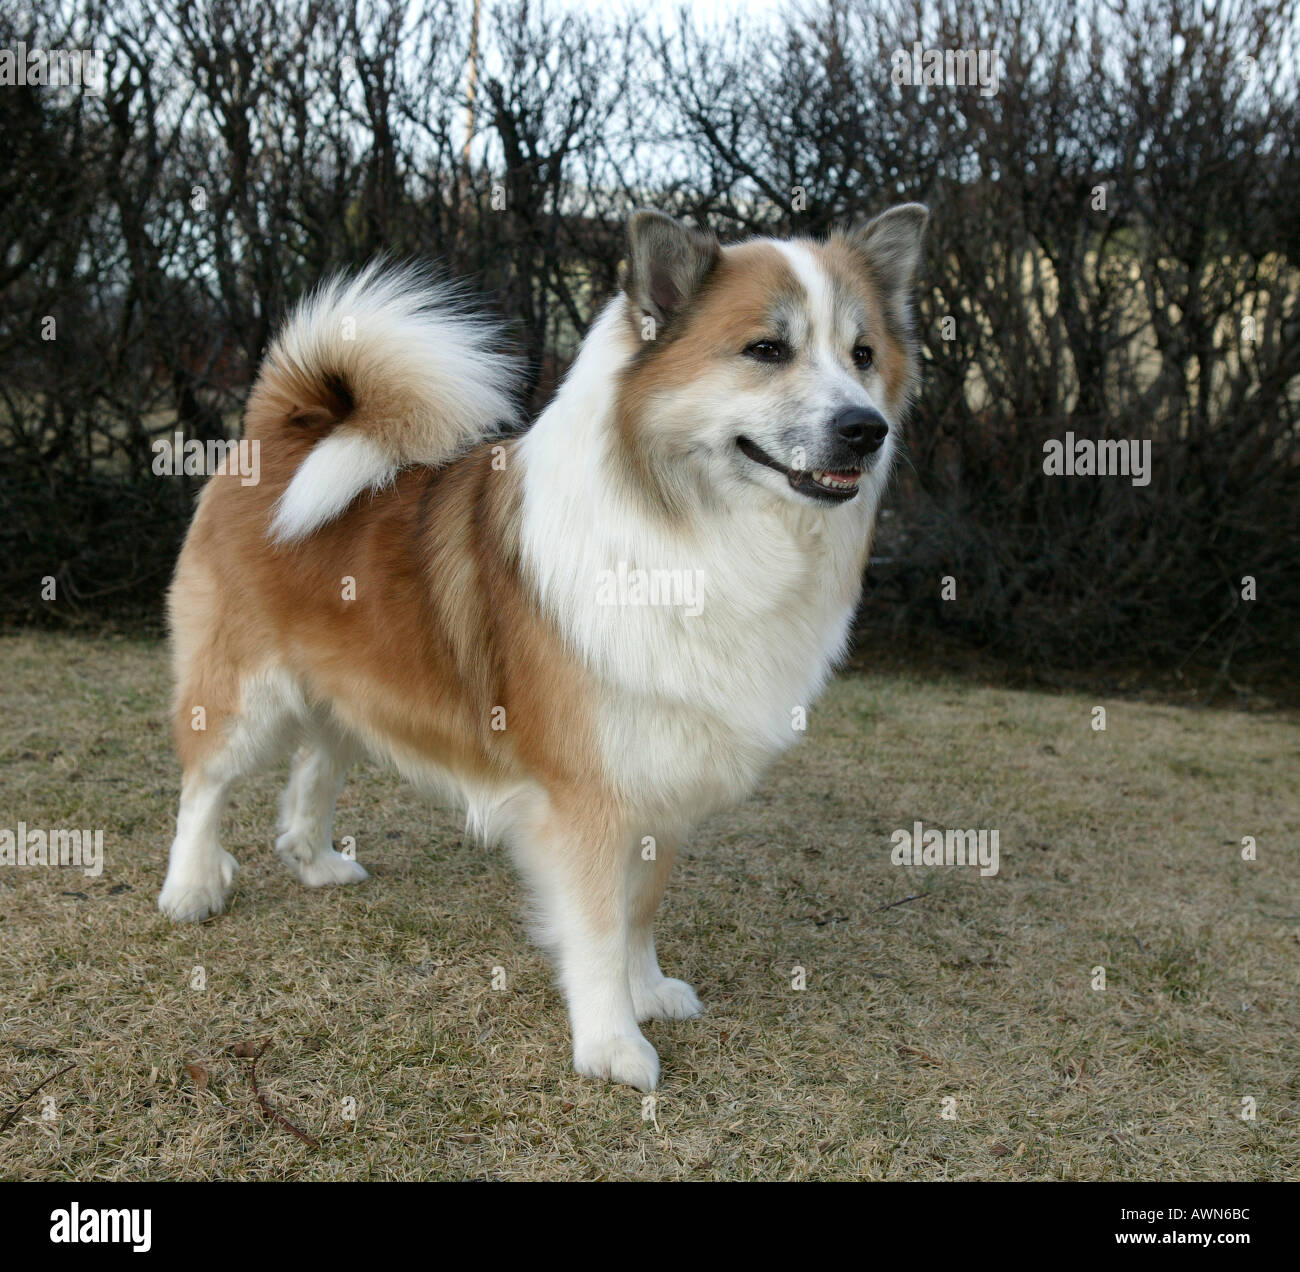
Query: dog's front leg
654,995
579,865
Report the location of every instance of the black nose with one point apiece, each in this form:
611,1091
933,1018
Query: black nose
861,429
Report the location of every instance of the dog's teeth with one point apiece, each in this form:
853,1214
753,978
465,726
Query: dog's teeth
834,481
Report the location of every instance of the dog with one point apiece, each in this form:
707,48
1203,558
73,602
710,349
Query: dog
593,632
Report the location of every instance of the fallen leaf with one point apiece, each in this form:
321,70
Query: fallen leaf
919,1054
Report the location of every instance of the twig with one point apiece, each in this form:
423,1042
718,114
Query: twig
13,1113
271,1114
916,896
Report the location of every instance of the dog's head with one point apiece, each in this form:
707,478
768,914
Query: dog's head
783,365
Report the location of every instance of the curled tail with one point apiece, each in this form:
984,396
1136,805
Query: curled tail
383,369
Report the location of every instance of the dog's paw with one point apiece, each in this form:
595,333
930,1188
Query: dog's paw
628,1059
187,897
666,999
324,870
331,869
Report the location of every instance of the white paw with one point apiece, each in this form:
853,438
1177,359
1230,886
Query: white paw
627,1058
187,896
666,999
324,870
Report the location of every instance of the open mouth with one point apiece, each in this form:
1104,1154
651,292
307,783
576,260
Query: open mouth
831,485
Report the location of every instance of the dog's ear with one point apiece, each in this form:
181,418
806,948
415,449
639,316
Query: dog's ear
667,263
891,244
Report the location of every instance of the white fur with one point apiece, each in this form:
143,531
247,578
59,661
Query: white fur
835,384
692,709
341,467
426,382
306,840
200,872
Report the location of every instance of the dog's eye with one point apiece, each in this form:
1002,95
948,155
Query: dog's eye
862,357
768,351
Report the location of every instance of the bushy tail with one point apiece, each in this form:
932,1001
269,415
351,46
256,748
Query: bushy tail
383,369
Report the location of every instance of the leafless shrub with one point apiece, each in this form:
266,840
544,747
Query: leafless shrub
1113,254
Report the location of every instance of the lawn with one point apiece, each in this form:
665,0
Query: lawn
951,1026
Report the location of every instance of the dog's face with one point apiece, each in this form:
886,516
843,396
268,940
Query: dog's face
784,366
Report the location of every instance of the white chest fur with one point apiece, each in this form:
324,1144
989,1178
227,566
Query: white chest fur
708,642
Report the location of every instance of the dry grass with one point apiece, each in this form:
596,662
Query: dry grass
1119,849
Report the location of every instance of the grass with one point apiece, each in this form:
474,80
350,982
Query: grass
1119,849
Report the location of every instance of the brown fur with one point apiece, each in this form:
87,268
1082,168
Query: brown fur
891,346
440,633
736,305
733,309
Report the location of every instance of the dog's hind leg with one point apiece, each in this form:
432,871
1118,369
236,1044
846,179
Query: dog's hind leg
578,860
306,840
654,995
229,742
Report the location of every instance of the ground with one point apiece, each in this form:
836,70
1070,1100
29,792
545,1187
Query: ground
949,1028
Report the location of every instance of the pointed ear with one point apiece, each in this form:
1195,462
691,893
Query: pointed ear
892,245
667,264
